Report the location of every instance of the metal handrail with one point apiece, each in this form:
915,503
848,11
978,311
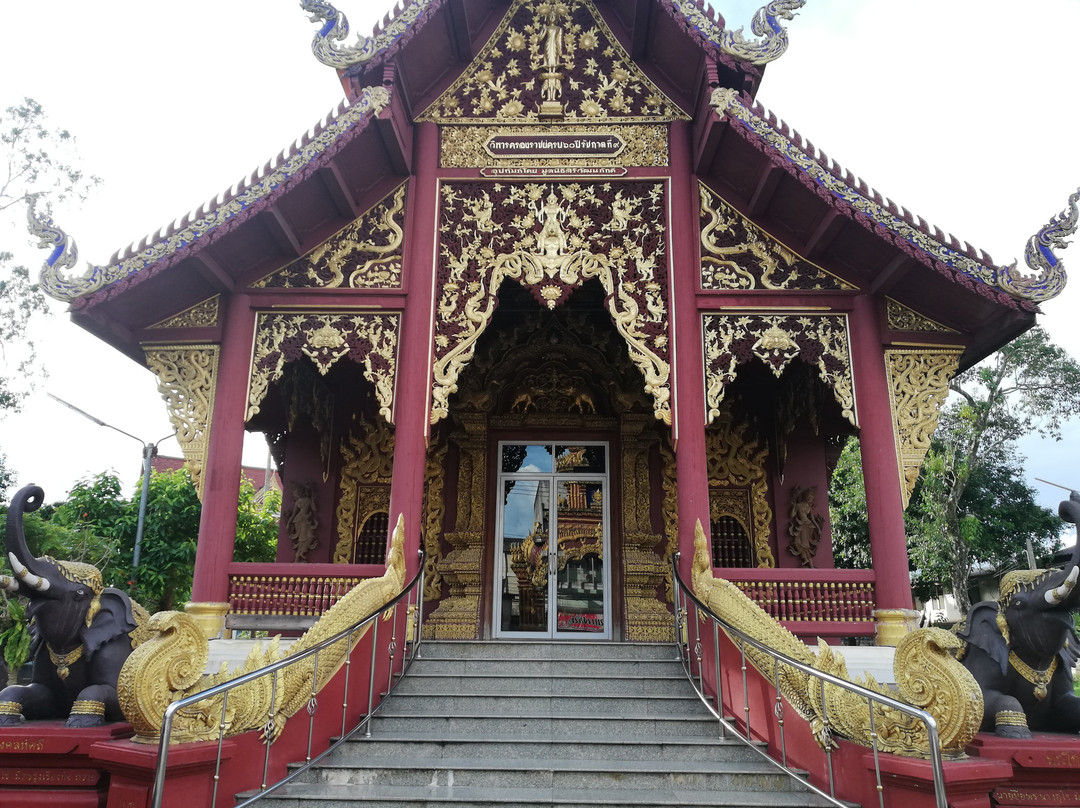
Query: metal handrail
683,594
411,649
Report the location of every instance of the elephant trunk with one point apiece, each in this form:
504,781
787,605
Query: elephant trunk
27,500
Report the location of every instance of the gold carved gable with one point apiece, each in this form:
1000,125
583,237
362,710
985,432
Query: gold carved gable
365,254
901,318
820,340
737,255
201,315
552,61
551,238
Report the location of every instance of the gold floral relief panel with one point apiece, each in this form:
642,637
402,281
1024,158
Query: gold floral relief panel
738,255
201,315
366,254
367,457
368,339
187,379
551,238
820,340
918,386
901,318
552,60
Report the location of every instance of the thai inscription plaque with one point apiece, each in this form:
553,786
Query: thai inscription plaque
598,144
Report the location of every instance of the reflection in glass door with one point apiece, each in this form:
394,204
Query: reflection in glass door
553,563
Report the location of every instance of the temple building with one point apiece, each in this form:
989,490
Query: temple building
551,285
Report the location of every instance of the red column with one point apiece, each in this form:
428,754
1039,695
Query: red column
881,471
688,405
413,388
221,475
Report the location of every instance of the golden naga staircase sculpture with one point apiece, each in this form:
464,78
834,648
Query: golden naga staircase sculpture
169,666
926,672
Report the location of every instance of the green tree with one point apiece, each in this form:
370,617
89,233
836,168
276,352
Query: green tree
36,161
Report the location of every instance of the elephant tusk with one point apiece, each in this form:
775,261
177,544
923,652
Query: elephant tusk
1057,596
27,577
8,583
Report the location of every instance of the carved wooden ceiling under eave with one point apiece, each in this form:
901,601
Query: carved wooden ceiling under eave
829,217
259,226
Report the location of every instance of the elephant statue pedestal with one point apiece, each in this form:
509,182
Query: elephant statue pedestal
1046,768
47,763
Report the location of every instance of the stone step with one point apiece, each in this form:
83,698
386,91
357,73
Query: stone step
555,774
537,666
545,726
497,706
509,748
514,649
420,683
301,795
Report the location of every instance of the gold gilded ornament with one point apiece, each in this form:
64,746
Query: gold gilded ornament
187,380
63,662
927,676
169,666
901,318
1036,677
201,315
918,385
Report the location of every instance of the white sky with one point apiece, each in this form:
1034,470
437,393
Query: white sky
963,112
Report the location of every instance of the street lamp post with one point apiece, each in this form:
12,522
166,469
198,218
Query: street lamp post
149,453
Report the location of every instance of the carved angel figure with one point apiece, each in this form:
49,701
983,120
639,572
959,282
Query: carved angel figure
805,525
303,521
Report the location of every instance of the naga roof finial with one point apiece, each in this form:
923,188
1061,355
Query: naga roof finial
1039,256
766,24
64,256
335,29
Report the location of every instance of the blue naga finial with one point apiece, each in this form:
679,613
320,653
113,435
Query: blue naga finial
766,24
334,29
1039,256
63,257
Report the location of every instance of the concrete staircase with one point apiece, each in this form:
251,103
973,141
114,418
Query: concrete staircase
522,724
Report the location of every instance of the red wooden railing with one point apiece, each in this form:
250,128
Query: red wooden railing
828,602
292,590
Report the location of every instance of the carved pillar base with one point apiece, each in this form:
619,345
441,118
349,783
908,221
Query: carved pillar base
209,617
647,619
894,624
457,617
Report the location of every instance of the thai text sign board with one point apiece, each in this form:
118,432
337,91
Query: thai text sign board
601,144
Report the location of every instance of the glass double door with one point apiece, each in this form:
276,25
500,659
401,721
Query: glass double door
552,553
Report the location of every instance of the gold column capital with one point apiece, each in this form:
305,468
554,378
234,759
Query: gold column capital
209,617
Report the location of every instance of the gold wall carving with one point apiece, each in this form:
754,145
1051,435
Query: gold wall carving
644,570
918,385
187,380
201,315
776,339
365,254
434,513
551,238
669,509
901,318
926,672
736,461
367,339
307,395
552,60
367,456
169,666
463,146
457,617
736,254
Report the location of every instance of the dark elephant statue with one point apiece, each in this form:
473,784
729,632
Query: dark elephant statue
82,632
1022,648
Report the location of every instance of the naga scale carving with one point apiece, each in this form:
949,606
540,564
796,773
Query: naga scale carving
736,254
551,238
773,40
187,380
820,340
367,339
169,666
1039,256
927,676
